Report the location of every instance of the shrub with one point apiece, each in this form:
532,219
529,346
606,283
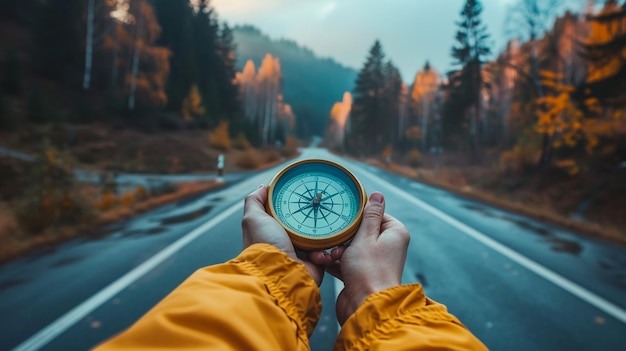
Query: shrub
272,156
248,160
414,158
219,137
291,147
520,159
127,199
241,142
107,201
52,197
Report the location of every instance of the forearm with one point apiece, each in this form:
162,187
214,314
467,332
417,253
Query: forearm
403,318
247,303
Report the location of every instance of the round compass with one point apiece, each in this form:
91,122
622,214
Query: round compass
318,202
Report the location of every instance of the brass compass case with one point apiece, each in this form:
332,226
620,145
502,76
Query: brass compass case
318,202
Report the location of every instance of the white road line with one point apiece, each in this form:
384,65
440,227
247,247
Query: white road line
54,329
566,284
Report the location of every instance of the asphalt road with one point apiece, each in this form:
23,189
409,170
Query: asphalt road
516,283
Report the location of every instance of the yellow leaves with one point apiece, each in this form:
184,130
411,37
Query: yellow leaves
192,105
219,138
603,32
413,133
569,165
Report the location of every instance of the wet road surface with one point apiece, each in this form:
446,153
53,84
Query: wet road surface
516,283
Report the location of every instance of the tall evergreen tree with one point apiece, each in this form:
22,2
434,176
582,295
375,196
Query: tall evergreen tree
470,53
367,117
59,38
176,20
392,94
206,46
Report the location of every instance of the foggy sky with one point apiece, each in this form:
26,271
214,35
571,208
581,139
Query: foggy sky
411,31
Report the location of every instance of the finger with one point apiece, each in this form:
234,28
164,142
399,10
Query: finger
334,269
255,202
389,222
320,258
372,217
337,252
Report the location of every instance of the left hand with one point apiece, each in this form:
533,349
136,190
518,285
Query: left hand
259,227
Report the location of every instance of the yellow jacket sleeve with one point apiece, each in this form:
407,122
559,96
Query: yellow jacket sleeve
403,318
261,300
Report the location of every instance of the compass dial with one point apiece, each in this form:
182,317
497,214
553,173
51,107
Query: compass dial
318,202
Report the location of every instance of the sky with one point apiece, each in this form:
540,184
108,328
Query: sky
411,31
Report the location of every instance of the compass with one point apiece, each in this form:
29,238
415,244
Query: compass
319,203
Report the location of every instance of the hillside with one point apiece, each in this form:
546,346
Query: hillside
310,84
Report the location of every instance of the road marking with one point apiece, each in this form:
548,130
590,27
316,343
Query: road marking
54,329
566,284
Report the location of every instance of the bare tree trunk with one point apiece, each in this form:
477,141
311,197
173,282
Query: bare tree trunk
116,52
425,116
135,68
266,117
89,45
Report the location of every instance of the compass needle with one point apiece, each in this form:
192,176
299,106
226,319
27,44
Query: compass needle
302,209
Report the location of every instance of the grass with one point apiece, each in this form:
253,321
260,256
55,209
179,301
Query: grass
538,203
16,242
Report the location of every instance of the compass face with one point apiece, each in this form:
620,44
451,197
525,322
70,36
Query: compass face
318,202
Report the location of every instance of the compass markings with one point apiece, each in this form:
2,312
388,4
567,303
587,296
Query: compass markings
317,205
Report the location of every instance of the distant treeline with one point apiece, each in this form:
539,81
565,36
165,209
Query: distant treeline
557,96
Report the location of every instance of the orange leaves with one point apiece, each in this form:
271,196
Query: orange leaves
566,124
339,115
219,138
426,84
192,105
341,110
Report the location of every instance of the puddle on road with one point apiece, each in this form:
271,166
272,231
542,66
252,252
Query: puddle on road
66,261
139,232
11,283
479,209
556,243
186,217
614,270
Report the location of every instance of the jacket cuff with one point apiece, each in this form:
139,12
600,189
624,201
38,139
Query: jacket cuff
287,281
383,312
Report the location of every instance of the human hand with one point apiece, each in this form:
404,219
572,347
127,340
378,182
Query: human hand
259,227
374,260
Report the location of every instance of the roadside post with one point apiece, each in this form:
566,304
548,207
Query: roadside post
220,167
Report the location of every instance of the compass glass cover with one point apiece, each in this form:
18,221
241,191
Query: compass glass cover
316,200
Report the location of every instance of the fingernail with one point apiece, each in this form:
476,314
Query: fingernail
376,198
260,186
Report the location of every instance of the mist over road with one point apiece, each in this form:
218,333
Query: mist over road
518,284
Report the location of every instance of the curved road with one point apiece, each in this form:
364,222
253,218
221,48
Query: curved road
516,283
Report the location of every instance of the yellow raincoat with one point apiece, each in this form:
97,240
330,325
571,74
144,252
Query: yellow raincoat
264,300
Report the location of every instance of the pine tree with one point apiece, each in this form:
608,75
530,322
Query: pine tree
176,18
58,41
192,105
367,113
226,76
470,53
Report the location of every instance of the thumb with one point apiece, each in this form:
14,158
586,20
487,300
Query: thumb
372,217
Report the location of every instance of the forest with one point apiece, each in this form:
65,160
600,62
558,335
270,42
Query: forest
541,124
164,86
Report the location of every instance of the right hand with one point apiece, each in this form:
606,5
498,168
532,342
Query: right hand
374,260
